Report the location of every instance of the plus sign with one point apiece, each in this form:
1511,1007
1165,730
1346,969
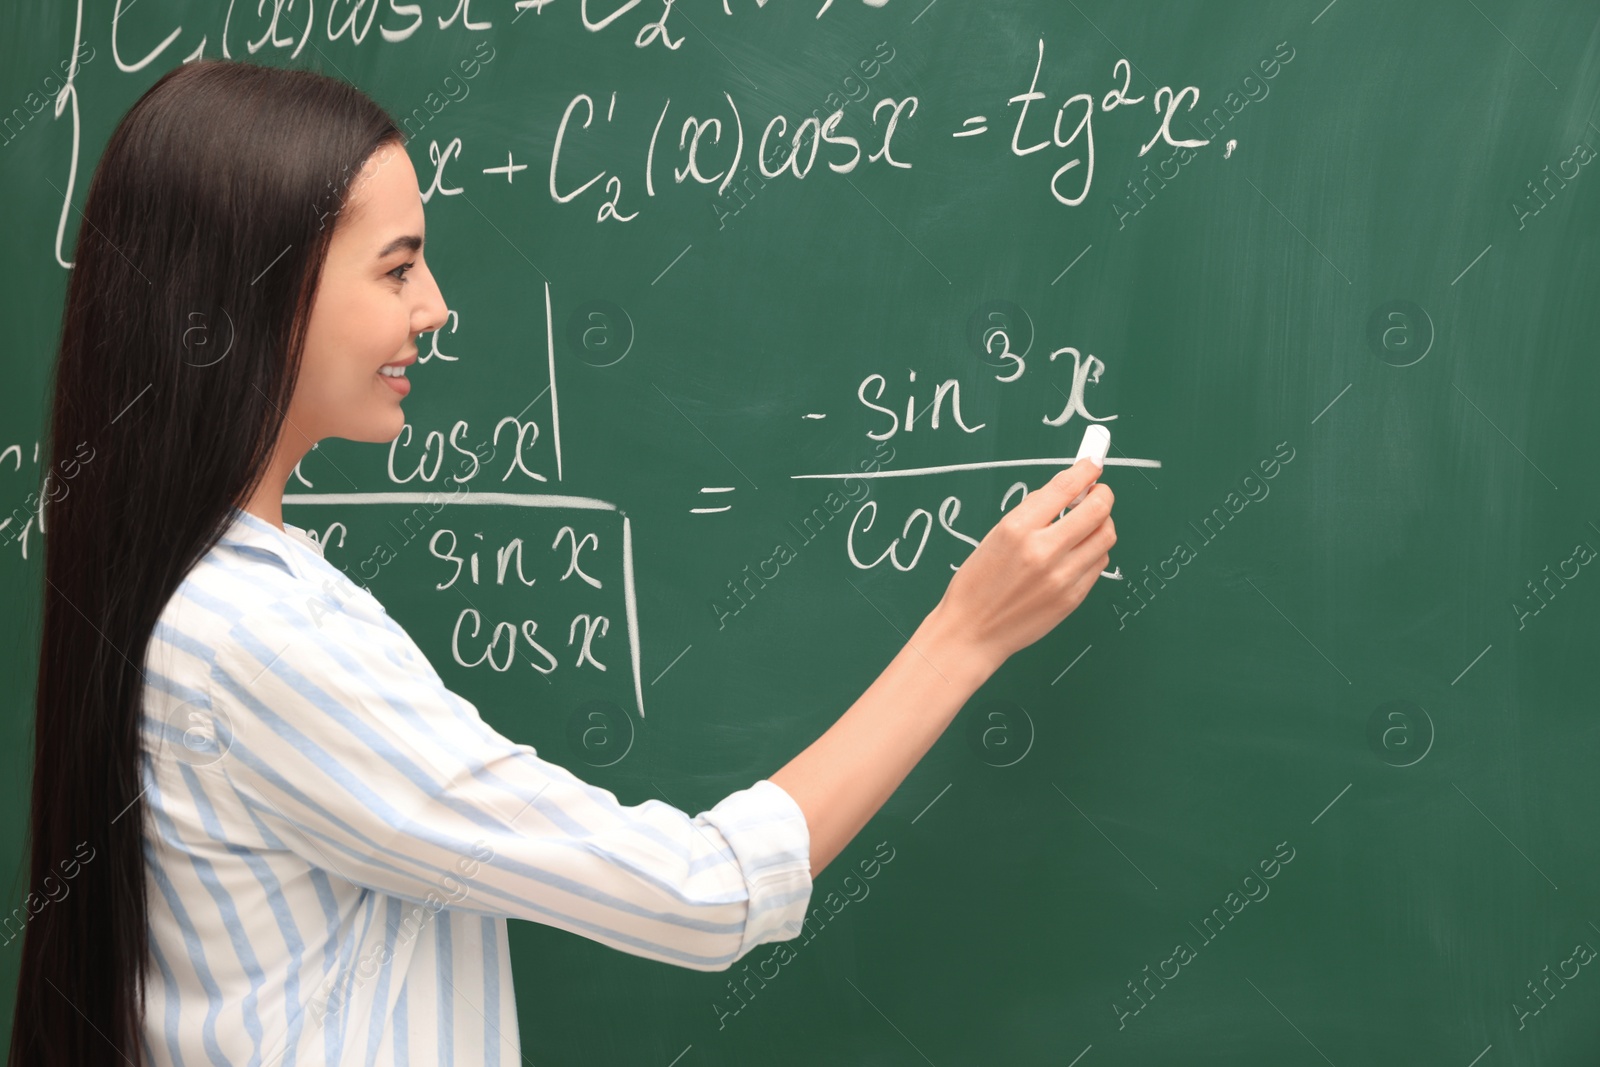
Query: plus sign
508,170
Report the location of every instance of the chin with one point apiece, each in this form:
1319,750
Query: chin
391,428
379,430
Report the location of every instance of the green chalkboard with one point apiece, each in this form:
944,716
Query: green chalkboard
1311,775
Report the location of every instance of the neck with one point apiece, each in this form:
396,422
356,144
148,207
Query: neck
266,503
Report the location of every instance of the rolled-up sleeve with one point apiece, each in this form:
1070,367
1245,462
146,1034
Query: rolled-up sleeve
347,748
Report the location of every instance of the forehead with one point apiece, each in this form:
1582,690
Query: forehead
383,200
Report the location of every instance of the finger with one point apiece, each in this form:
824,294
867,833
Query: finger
1079,587
1087,553
1083,521
1039,508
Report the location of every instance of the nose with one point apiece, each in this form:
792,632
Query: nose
431,311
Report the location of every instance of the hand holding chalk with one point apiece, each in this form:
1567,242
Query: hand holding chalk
1096,443
1033,568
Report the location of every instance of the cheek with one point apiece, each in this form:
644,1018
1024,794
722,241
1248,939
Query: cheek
368,331
354,330
390,326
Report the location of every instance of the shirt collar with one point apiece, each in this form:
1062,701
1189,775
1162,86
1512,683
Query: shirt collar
289,545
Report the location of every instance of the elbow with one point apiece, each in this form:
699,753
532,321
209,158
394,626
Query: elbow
760,921
769,906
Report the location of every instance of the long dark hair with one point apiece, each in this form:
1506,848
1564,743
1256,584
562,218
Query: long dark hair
201,244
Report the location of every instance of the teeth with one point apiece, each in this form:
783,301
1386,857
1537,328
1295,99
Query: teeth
392,372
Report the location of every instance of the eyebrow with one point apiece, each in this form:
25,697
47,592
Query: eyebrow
410,242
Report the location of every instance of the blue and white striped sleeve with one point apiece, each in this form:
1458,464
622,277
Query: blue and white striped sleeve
338,731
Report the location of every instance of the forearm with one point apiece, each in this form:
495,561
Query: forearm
843,778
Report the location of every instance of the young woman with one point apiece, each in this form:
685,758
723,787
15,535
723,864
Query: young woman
263,831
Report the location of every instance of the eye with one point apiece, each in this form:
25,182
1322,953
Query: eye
398,274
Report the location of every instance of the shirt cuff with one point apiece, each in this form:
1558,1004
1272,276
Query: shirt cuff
768,834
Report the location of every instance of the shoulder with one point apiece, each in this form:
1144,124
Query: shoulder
328,684
231,582
253,594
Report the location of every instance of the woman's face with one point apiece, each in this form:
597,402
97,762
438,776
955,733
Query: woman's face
374,297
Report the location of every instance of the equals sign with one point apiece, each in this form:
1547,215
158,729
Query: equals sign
713,489
976,120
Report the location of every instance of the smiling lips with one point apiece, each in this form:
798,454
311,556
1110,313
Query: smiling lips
394,375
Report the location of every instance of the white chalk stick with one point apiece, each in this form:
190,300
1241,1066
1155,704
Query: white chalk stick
1096,443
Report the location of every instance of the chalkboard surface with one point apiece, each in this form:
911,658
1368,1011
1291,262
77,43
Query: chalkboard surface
732,386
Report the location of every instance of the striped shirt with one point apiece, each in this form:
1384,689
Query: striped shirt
334,840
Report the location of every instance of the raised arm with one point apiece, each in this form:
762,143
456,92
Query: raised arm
1027,574
342,745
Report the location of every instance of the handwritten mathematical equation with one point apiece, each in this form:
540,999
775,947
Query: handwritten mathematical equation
1086,369
468,558
714,147
1164,101
701,138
